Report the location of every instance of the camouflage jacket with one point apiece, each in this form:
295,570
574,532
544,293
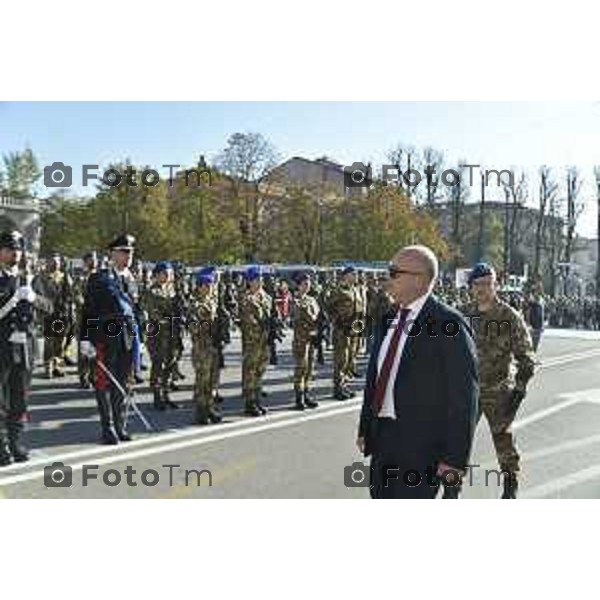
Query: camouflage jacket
342,305
305,317
255,314
159,302
503,345
203,312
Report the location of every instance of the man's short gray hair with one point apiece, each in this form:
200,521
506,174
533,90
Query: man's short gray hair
427,256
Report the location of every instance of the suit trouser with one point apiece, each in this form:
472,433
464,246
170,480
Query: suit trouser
395,474
118,360
15,382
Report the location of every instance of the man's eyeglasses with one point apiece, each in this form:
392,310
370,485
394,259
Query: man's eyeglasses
395,272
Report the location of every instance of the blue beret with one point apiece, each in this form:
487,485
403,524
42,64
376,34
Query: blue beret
205,278
348,269
481,269
163,265
206,271
252,273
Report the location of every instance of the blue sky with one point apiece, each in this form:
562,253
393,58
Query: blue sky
494,134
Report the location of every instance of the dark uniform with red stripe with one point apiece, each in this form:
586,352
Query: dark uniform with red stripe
108,323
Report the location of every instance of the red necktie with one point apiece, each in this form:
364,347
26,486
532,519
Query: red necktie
384,374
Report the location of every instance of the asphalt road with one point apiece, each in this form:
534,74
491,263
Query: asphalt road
300,455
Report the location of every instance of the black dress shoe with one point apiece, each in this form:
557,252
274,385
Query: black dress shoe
5,460
252,411
138,379
19,453
57,373
123,436
109,438
173,387
263,410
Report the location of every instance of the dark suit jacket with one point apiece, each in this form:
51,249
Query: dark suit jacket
436,392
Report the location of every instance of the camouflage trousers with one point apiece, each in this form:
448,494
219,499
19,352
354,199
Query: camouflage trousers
341,356
163,353
303,351
205,362
496,407
255,357
53,351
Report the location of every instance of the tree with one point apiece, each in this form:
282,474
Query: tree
21,171
547,199
515,194
457,197
246,160
433,161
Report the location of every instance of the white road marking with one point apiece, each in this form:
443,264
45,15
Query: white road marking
589,396
561,483
160,441
127,454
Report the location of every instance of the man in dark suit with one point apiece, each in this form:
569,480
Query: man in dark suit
422,387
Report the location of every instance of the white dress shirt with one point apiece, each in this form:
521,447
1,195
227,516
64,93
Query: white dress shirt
388,410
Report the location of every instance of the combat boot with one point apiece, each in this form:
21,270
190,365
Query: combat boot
69,362
250,409
338,394
200,415
5,456
108,435
511,486
309,401
17,449
214,415
348,392
167,400
300,400
158,401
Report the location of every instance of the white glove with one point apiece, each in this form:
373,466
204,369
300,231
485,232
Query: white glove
87,349
25,292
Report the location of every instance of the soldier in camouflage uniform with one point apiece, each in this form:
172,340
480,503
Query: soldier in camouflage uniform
360,302
305,322
255,313
85,366
501,335
203,330
342,311
159,303
57,287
